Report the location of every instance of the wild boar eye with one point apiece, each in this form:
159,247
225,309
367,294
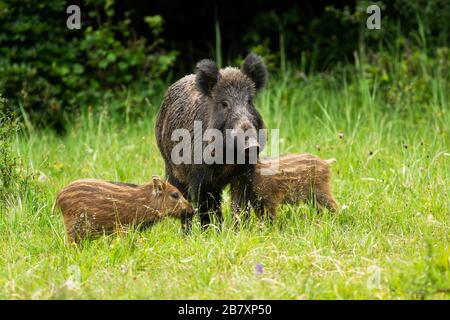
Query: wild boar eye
250,100
175,195
225,104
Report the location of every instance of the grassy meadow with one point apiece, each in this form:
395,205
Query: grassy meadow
391,239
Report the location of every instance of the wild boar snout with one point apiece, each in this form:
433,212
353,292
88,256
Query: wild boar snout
245,136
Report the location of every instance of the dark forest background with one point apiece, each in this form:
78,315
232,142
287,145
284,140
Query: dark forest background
136,48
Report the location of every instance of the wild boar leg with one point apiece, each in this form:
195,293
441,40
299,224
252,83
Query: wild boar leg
241,202
186,221
325,200
209,206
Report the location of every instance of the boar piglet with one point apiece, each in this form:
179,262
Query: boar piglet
290,179
94,207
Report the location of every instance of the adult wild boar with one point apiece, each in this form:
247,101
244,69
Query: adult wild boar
212,99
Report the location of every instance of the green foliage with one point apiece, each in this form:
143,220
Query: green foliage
48,69
389,241
385,119
121,59
405,80
9,163
15,177
319,41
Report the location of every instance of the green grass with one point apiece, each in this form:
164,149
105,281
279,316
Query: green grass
390,240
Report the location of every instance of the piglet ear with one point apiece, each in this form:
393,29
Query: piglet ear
158,185
254,68
206,76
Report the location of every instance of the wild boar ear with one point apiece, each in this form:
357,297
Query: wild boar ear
206,76
255,69
158,185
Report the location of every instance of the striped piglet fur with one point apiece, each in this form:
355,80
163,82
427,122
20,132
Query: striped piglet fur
290,179
93,207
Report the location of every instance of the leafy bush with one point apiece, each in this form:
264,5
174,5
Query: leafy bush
317,39
15,177
8,162
119,57
48,69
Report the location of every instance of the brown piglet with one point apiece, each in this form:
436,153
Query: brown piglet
289,179
93,207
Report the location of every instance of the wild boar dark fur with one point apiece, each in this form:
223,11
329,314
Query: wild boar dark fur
221,99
